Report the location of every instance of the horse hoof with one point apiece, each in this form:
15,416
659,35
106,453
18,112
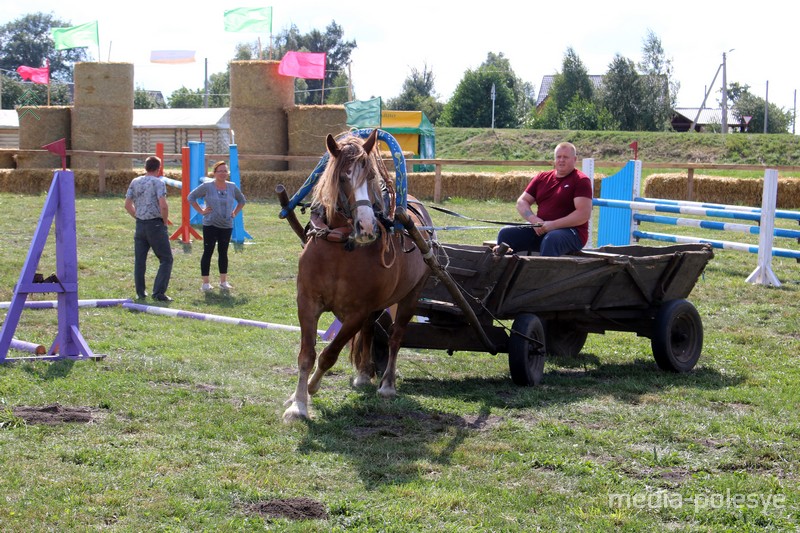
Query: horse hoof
296,411
361,380
387,392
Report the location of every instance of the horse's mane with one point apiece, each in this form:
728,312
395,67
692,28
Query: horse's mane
325,194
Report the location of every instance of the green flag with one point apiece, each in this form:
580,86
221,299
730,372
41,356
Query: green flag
364,113
252,19
76,36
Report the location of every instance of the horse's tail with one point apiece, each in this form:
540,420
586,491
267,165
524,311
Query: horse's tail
361,355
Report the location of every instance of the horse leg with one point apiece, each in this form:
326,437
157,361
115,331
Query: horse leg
329,355
405,310
361,352
297,404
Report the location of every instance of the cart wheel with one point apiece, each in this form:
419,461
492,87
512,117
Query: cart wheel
526,356
562,340
380,342
677,336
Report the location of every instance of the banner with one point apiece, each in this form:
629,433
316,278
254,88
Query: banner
252,19
36,75
76,36
364,113
172,57
307,65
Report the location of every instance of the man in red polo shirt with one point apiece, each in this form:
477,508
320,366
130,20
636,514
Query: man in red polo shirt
563,198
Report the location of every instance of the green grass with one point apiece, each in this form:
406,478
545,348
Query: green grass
188,434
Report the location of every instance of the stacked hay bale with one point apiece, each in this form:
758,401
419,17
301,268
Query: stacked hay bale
259,99
39,126
721,190
102,118
308,126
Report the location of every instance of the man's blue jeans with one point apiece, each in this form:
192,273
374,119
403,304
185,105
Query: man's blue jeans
523,239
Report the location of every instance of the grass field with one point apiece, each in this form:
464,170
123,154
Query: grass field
186,432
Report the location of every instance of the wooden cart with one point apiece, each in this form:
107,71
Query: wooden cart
555,302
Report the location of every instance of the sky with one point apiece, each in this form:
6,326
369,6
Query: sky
450,38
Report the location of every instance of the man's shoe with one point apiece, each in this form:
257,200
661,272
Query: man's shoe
162,298
206,287
225,286
141,296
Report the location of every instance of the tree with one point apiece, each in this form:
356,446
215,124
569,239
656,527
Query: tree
745,104
418,95
471,105
186,98
337,52
621,94
659,90
219,89
27,41
582,114
144,100
571,81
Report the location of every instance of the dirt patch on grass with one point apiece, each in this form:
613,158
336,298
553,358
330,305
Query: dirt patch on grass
291,508
415,422
55,414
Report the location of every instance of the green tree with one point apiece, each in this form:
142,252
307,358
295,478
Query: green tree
186,98
143,100
471,105
583,114
418,95
27,41
544,118
219,89
659,90
337,52
621,93
17,93
745,104
573,80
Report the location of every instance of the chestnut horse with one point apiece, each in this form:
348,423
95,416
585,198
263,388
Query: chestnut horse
358,281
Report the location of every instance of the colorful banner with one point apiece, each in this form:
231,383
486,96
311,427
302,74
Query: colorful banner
36,75
76,36
172,57
306,65
252,19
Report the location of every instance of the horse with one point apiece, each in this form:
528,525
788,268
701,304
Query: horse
355,267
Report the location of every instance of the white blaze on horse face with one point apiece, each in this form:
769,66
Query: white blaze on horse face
363,218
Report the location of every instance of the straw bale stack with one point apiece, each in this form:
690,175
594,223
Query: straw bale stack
39,126
308,126
102,119
721,190
259,97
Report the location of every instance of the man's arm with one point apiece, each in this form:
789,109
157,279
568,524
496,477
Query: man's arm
581,214
525,210
162,203
129,207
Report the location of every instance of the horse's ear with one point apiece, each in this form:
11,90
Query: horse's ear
369,144
333,148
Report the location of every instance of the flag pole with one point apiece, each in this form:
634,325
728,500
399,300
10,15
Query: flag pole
260,54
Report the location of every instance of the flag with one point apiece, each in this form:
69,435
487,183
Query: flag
307,65
364,113
172,57
252,19
36,75
59,147
76,36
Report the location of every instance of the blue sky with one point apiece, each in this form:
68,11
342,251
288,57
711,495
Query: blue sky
452,37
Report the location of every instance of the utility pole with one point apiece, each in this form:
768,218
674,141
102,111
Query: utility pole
725,94
493,97
205,94
766,108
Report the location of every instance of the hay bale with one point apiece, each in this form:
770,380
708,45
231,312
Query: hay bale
104,85
39,126
102,129
257,84
308,125
7,160
721,190
260,132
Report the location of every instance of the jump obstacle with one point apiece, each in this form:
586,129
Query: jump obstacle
619,220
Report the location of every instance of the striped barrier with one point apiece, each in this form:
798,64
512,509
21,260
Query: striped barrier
164,311
624,224
53,304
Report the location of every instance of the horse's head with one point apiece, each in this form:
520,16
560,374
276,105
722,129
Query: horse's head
351,174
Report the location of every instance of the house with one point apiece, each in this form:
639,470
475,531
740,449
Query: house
683,117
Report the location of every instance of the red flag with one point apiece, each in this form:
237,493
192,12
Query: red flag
36,75
635,147
59,147
307,65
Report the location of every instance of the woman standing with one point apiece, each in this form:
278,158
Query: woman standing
218,214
